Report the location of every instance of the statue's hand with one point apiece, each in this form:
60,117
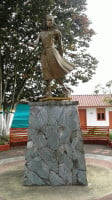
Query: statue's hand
61,52
30,44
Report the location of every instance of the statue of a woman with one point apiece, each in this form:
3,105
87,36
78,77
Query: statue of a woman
54,66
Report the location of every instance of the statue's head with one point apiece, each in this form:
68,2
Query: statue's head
49,21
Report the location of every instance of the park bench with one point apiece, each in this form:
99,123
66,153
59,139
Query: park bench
18,136
95,134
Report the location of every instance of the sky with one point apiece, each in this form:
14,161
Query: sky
99,13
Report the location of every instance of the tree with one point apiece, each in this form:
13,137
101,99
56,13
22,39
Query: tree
106,89
70,16
74,25
22,21
1,114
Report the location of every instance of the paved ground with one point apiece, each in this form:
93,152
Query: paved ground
101,150
95,154
13,152
98,149
89,149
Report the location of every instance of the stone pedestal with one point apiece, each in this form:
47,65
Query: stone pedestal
55,154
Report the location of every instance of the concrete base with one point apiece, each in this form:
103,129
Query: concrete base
55,154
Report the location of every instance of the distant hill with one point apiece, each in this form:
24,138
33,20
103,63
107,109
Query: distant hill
21,116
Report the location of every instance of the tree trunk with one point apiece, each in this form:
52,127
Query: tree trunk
6,122
1,122
1,111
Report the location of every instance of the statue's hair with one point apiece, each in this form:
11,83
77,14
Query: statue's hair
54,24
50,16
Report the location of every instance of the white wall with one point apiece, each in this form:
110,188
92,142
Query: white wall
92,117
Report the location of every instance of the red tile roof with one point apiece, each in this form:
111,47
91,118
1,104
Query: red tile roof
92,100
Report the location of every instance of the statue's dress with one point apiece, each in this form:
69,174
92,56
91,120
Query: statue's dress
54,66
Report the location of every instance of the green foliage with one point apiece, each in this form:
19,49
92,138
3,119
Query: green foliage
110,136
21,22
106,89
108,100
4,139
74,25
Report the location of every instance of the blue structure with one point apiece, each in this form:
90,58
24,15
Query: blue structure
21,116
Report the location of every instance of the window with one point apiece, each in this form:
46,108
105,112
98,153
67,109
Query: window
100,114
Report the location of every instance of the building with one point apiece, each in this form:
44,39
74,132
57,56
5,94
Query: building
94,110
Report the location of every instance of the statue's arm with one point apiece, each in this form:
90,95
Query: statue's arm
35,44
60,43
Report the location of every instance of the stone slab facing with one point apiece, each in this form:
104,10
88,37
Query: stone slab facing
55,154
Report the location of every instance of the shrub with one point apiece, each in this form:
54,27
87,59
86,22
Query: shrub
110,136
4,139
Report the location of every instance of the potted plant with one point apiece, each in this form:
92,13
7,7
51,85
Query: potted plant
4,143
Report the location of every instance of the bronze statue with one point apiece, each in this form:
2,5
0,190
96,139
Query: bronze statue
54,66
